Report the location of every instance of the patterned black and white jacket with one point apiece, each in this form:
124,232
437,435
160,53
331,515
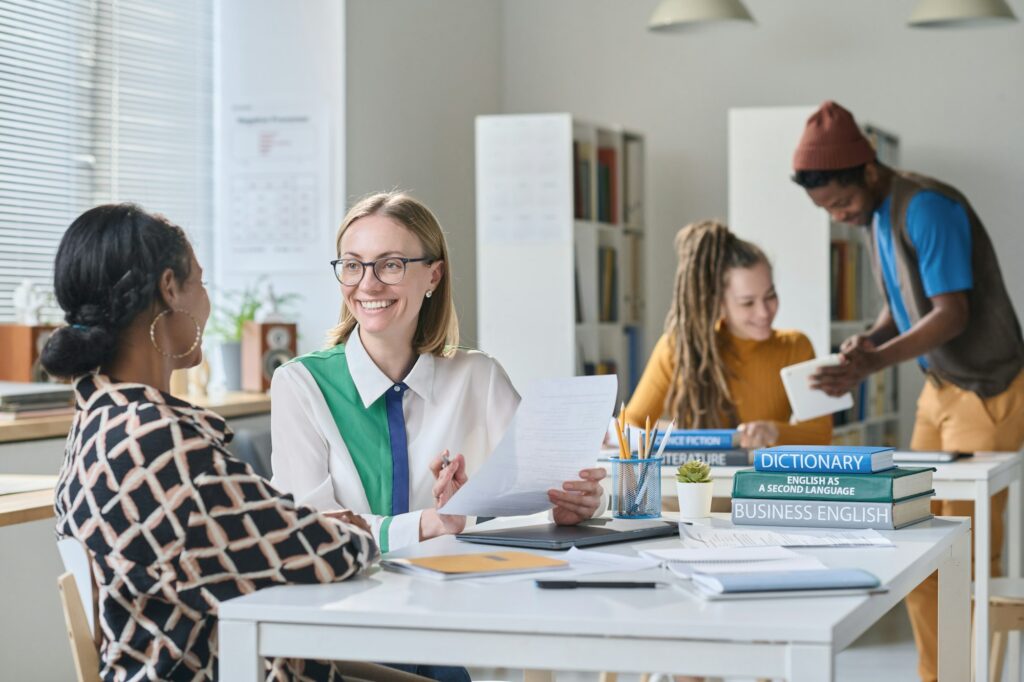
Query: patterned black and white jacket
174,524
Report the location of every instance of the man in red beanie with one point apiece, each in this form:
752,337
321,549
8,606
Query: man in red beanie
946,306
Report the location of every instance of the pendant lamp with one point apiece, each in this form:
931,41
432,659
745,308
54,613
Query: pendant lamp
960,13
672,15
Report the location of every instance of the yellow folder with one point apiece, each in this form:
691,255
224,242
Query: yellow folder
451,566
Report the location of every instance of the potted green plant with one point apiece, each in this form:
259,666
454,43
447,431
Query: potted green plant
694,487
233,309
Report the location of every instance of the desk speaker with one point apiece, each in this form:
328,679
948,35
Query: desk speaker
22,345
265,347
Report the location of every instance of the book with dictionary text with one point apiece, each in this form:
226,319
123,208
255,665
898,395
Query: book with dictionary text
451,566
849,459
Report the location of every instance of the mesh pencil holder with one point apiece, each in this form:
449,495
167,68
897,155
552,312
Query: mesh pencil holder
636,488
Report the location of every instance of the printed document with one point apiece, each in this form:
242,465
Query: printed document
557,430
703,536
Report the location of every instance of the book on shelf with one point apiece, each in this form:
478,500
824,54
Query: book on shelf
634,355
824,459
884,486
697,439
722,458
832,514
454,566
581,154
37,413
632,183
607,191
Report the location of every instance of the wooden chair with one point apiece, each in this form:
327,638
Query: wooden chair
77,589
1006,614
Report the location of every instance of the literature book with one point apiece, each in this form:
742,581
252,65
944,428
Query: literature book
829,514
850,459
697,439
453,566
884,486
721,458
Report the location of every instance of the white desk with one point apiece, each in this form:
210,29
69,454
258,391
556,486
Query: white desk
975,478
387,616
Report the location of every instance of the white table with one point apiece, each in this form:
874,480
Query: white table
387,616
975,478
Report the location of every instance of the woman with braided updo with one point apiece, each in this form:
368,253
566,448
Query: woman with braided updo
172,523
717,364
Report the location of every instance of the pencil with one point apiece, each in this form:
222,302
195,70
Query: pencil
647,437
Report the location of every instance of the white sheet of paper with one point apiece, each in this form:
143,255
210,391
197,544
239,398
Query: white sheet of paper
557,430
698,536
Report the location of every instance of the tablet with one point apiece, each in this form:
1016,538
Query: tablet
586,534
806,402
934,456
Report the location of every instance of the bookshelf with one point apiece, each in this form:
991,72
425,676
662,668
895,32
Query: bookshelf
822,269
560,242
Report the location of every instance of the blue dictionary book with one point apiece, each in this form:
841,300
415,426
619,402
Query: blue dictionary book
824,459
696,439
786,581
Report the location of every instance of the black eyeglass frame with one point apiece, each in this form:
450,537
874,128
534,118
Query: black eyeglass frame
373,268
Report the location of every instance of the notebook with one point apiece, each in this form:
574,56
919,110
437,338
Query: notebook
806,402
453,566
785,583
587,534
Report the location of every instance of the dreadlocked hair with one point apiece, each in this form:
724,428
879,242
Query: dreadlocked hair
698,397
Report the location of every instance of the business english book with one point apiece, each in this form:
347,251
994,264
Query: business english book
829,514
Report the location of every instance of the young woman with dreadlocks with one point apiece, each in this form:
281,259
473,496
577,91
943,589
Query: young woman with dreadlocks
717,364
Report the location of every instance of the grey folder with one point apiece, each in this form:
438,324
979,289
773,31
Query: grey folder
594,532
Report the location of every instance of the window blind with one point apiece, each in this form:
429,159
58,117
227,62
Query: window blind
100,101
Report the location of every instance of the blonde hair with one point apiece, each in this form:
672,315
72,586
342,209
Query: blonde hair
437,331
699,395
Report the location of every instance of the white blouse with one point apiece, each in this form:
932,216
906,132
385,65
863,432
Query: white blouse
462,403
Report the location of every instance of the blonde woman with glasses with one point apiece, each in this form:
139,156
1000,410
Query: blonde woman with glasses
392,417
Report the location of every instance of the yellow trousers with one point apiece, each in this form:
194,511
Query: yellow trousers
950,418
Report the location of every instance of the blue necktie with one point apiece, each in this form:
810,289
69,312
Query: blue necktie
399,450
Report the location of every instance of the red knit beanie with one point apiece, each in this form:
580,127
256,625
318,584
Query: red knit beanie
832,141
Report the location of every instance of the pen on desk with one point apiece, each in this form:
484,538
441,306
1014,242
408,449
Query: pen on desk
445,460
573,584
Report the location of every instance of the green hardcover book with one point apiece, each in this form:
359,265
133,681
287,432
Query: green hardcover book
882,486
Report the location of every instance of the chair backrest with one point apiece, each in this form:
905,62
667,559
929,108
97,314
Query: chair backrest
76,562
78,601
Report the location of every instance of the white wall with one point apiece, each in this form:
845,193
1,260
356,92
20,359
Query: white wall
281,52
418,72
955,97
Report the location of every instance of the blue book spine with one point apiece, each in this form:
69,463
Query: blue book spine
696,439
813,462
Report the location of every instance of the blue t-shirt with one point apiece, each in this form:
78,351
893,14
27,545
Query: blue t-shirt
940,231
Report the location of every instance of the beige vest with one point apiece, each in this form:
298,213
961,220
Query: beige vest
989,354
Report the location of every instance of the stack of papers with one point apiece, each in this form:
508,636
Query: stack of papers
708,537
686,563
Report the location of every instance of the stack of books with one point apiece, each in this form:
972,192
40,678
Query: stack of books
715,447
834,486
23,400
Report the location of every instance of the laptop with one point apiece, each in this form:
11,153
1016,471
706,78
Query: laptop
586,534
932,456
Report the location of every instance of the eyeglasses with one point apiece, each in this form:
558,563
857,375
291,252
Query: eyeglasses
390,270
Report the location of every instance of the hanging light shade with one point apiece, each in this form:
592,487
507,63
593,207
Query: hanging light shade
677,14
955,13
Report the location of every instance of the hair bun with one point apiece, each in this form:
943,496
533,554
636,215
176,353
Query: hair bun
77,349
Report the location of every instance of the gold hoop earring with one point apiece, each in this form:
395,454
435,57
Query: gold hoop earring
152,334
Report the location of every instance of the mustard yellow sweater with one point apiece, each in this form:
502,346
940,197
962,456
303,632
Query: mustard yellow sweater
754,383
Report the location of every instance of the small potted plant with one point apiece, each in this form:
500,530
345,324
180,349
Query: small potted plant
230,313
694,487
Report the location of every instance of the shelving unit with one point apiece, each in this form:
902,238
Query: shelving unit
560,228
822,269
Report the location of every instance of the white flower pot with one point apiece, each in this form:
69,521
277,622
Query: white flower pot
694,499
